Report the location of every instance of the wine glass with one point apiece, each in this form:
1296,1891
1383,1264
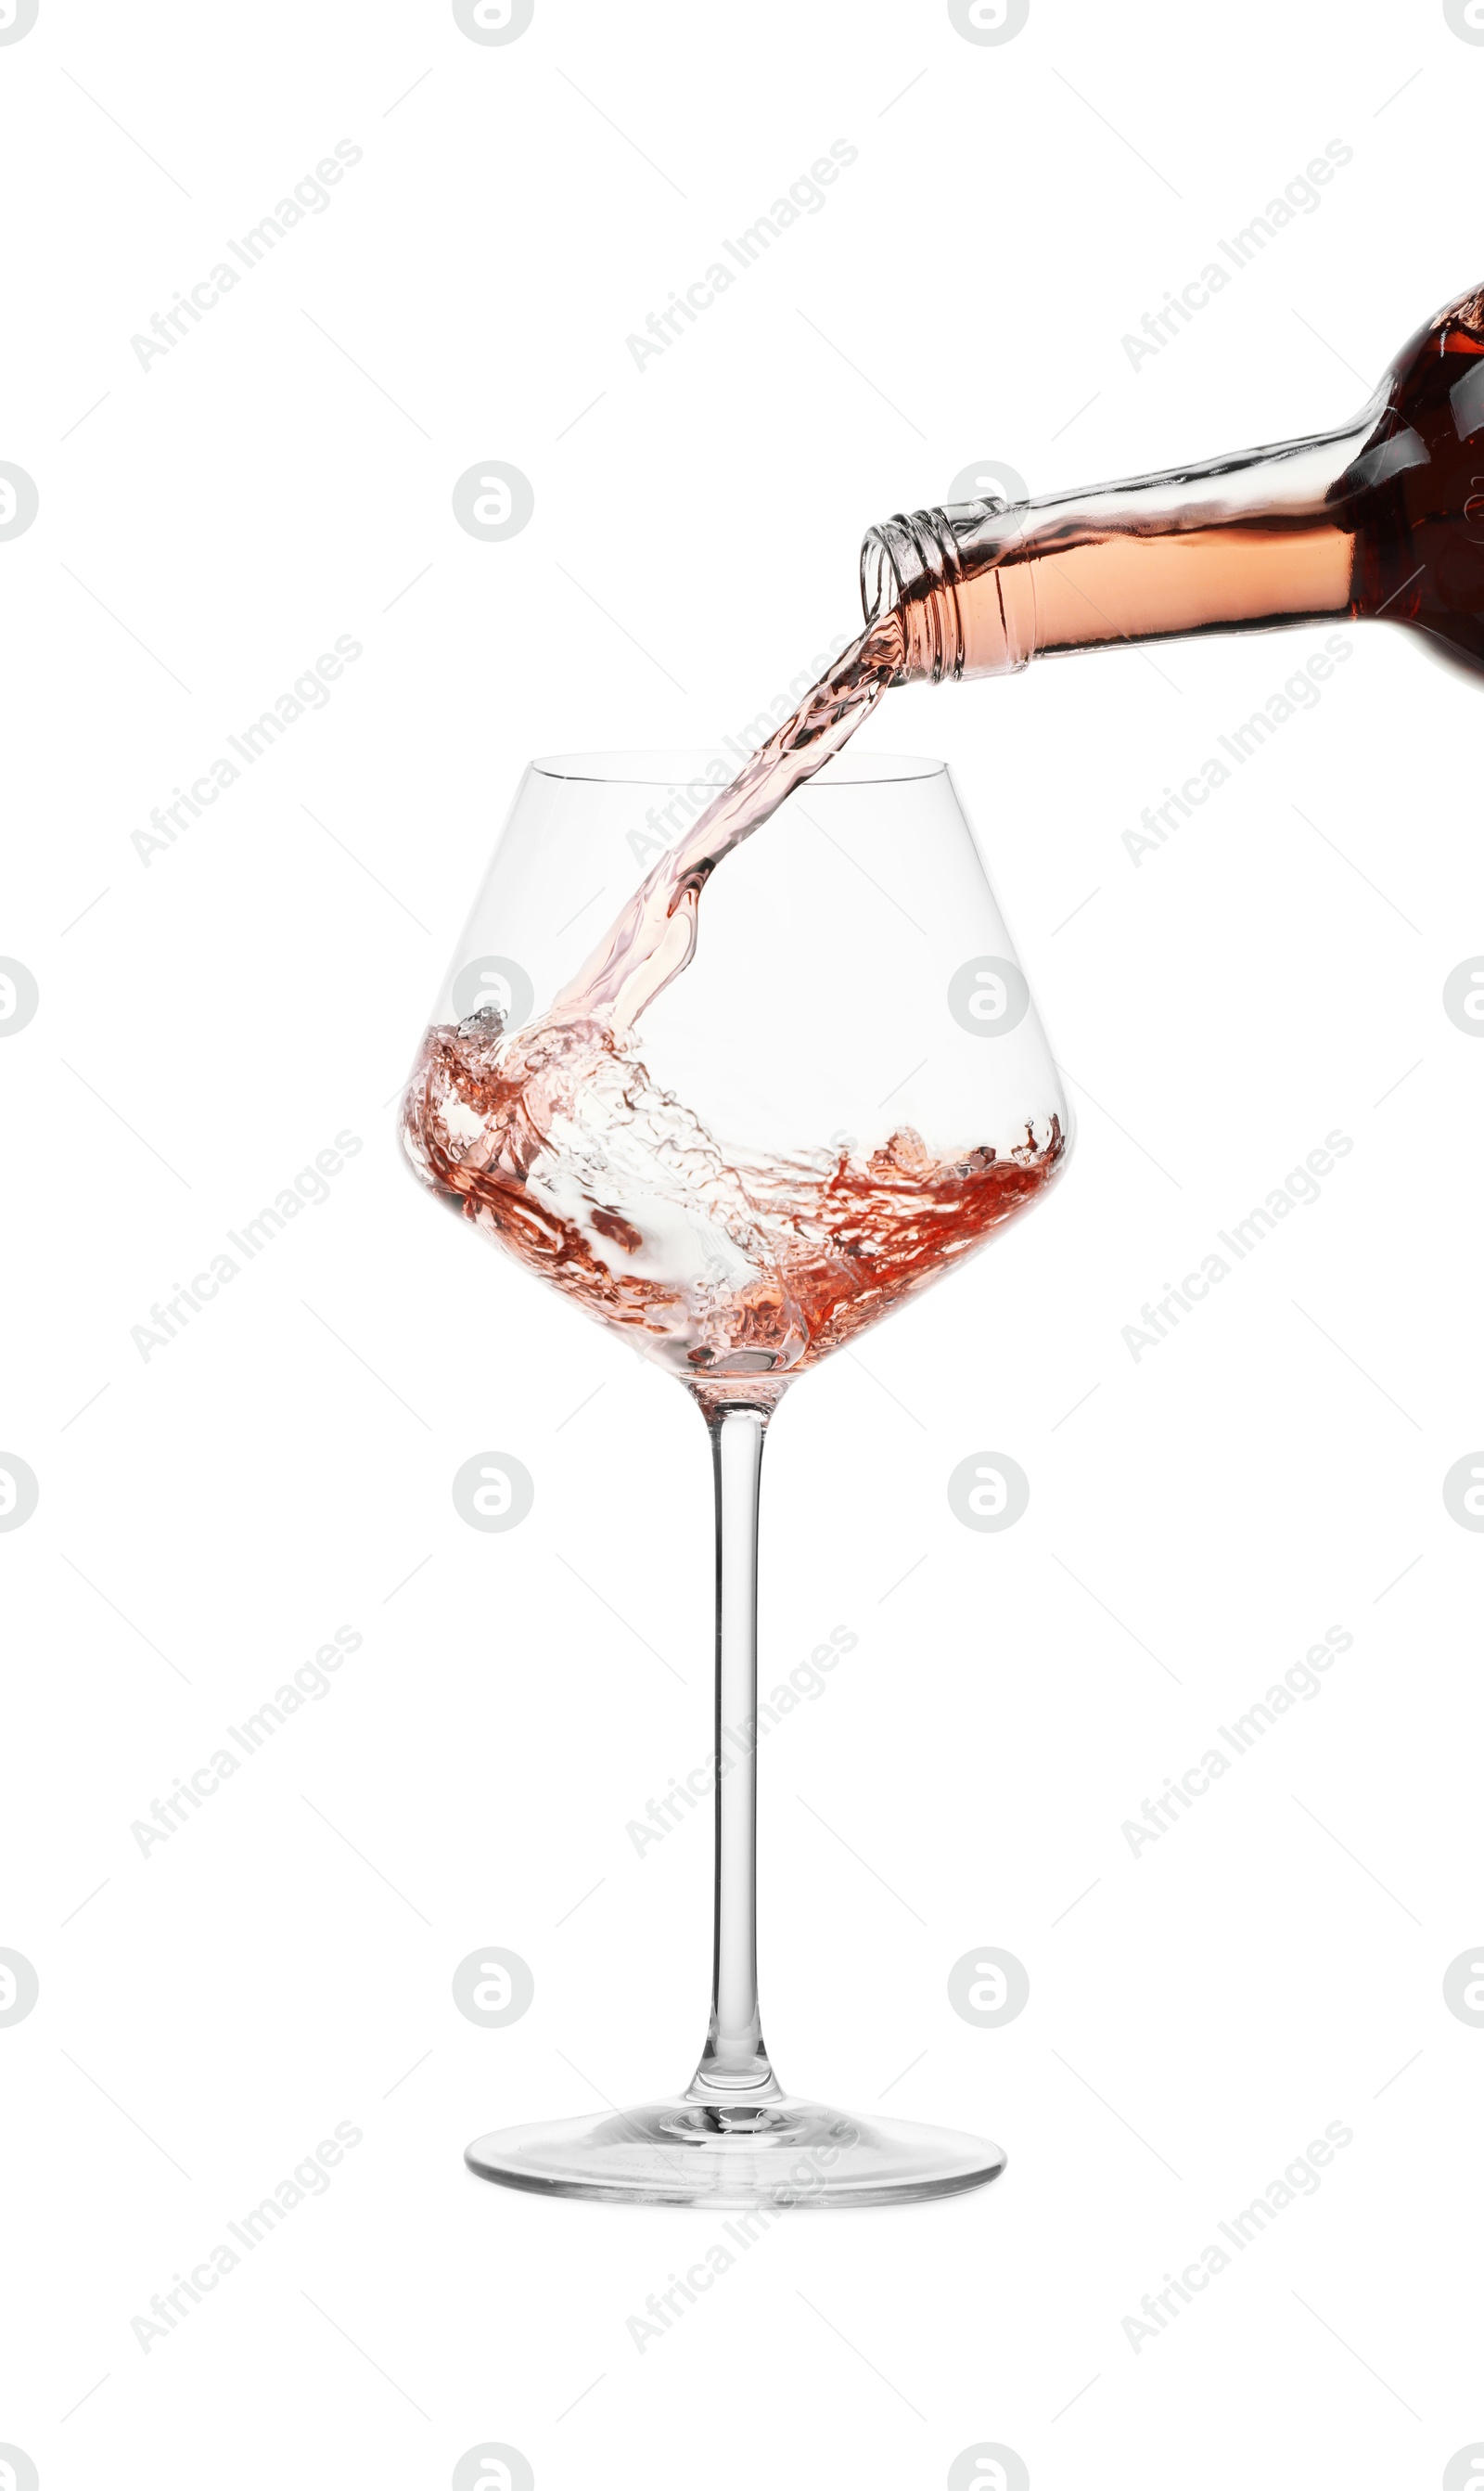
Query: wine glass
845,1091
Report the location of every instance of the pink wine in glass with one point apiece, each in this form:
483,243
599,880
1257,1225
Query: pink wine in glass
528,1131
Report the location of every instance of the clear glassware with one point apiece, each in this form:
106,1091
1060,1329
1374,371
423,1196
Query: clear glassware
845,1091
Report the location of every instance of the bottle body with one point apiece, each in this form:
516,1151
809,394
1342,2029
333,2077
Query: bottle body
1384,518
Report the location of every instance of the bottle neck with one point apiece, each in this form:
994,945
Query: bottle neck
1247,543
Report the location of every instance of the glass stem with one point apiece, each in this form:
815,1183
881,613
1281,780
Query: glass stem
733,2063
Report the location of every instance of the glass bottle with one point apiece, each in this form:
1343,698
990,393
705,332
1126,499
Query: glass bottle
1383,519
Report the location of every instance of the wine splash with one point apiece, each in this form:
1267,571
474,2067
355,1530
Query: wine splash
557,1142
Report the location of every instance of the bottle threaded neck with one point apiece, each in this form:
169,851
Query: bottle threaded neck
910,562
921,564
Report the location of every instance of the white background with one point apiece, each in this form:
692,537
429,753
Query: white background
209,1022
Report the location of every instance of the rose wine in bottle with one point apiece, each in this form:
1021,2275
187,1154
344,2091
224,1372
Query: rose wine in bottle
1383,519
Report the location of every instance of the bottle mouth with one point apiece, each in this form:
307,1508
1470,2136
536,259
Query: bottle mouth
881,581
913,562
920,562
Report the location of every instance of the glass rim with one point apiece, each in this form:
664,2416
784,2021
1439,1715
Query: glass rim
658,766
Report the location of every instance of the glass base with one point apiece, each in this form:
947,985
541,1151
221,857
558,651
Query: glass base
782,2154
